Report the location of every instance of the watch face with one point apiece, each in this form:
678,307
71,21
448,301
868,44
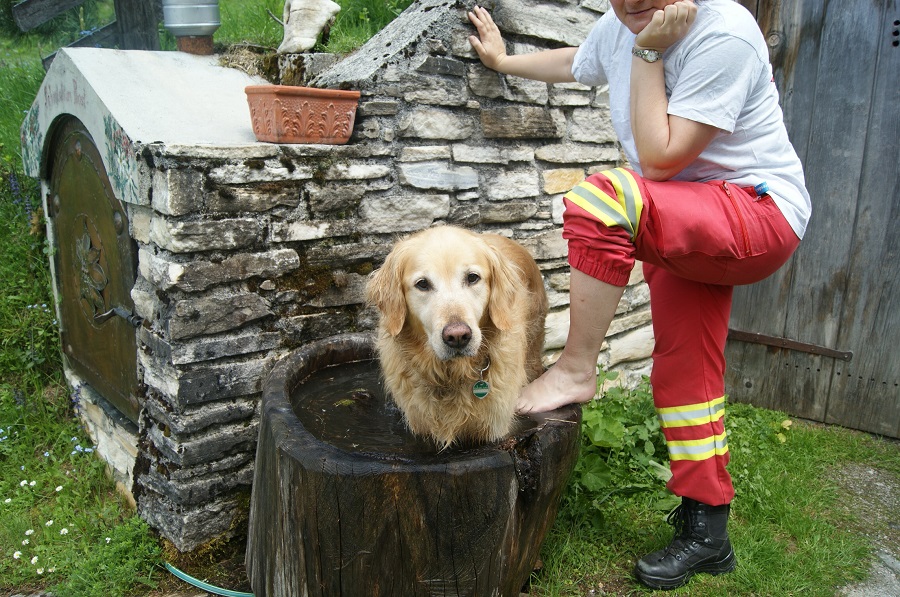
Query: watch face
647,55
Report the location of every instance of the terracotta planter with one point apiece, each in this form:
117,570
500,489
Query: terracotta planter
285,114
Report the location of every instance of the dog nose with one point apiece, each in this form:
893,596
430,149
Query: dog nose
456,334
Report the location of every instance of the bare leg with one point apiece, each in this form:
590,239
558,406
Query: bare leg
573,378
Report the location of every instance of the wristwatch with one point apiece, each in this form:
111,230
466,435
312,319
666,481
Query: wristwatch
646,54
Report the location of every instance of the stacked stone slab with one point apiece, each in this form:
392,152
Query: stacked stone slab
247,252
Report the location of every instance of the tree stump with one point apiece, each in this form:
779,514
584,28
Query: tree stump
342,512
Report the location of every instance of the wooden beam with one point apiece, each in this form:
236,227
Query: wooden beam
105,37
32,13
138,24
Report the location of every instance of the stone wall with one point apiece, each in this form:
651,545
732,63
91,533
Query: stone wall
248,252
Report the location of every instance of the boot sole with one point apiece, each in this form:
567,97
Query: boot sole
726,564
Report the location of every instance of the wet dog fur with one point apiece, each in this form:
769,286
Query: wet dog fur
453,303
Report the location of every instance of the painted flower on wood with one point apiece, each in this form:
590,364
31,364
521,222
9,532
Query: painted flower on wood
92,278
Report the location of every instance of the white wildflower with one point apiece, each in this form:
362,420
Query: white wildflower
29,532
49,523
17,555
58,488
34,560
40,570
63,531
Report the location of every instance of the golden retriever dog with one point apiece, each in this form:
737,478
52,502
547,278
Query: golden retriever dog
461,331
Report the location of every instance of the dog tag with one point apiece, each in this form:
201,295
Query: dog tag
481,389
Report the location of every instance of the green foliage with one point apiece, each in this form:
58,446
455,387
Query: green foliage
63,523
359,20
622,451
19,83
355,24
244,21
28,328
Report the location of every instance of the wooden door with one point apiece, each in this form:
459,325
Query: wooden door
829,321
95,268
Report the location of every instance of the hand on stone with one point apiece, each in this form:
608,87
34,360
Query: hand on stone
488,43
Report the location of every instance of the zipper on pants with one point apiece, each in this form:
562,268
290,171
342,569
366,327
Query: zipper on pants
740,216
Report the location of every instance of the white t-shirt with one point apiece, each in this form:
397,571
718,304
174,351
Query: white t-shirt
720,75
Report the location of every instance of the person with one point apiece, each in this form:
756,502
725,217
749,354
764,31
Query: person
714,197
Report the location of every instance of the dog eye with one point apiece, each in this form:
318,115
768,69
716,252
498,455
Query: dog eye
423,284
472,278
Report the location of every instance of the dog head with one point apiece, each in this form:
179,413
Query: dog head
444,284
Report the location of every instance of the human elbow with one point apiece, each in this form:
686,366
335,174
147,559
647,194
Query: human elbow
658,173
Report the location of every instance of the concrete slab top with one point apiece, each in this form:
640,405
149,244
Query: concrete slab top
168,97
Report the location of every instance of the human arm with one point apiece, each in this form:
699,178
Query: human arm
666,144
550,66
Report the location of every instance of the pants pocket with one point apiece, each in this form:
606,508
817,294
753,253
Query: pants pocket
717,219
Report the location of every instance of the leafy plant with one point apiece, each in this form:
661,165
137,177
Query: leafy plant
622,452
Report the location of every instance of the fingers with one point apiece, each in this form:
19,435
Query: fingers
479,16
680,14
669,25
488,44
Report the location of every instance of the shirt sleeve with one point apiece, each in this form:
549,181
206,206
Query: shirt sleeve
715,81
587,67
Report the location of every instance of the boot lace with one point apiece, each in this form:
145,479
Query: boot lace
686,538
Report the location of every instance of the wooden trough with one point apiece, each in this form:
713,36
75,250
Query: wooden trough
352,504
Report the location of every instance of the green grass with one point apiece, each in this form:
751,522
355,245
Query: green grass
792,531
64,525
253,22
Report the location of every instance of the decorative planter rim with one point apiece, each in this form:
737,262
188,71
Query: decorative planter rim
307,91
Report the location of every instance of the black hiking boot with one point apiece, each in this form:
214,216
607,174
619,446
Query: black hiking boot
700,545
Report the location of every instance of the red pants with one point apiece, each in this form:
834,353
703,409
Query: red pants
697,240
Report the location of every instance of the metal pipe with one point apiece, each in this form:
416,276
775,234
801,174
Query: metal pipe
193,23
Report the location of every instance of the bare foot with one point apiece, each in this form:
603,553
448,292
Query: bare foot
557,387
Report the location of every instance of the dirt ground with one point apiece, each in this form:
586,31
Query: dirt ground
875,501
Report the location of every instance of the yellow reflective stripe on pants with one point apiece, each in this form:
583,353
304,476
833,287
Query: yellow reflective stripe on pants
691,414
698,449
629,195
623,210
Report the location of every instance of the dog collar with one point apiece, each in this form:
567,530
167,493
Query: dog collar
481,387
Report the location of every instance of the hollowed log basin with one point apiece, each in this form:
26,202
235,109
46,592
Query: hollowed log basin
347,502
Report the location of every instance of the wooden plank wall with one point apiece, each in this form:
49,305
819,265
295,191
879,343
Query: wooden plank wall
836,69
865,393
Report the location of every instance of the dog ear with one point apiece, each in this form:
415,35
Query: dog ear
385,290
505,287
